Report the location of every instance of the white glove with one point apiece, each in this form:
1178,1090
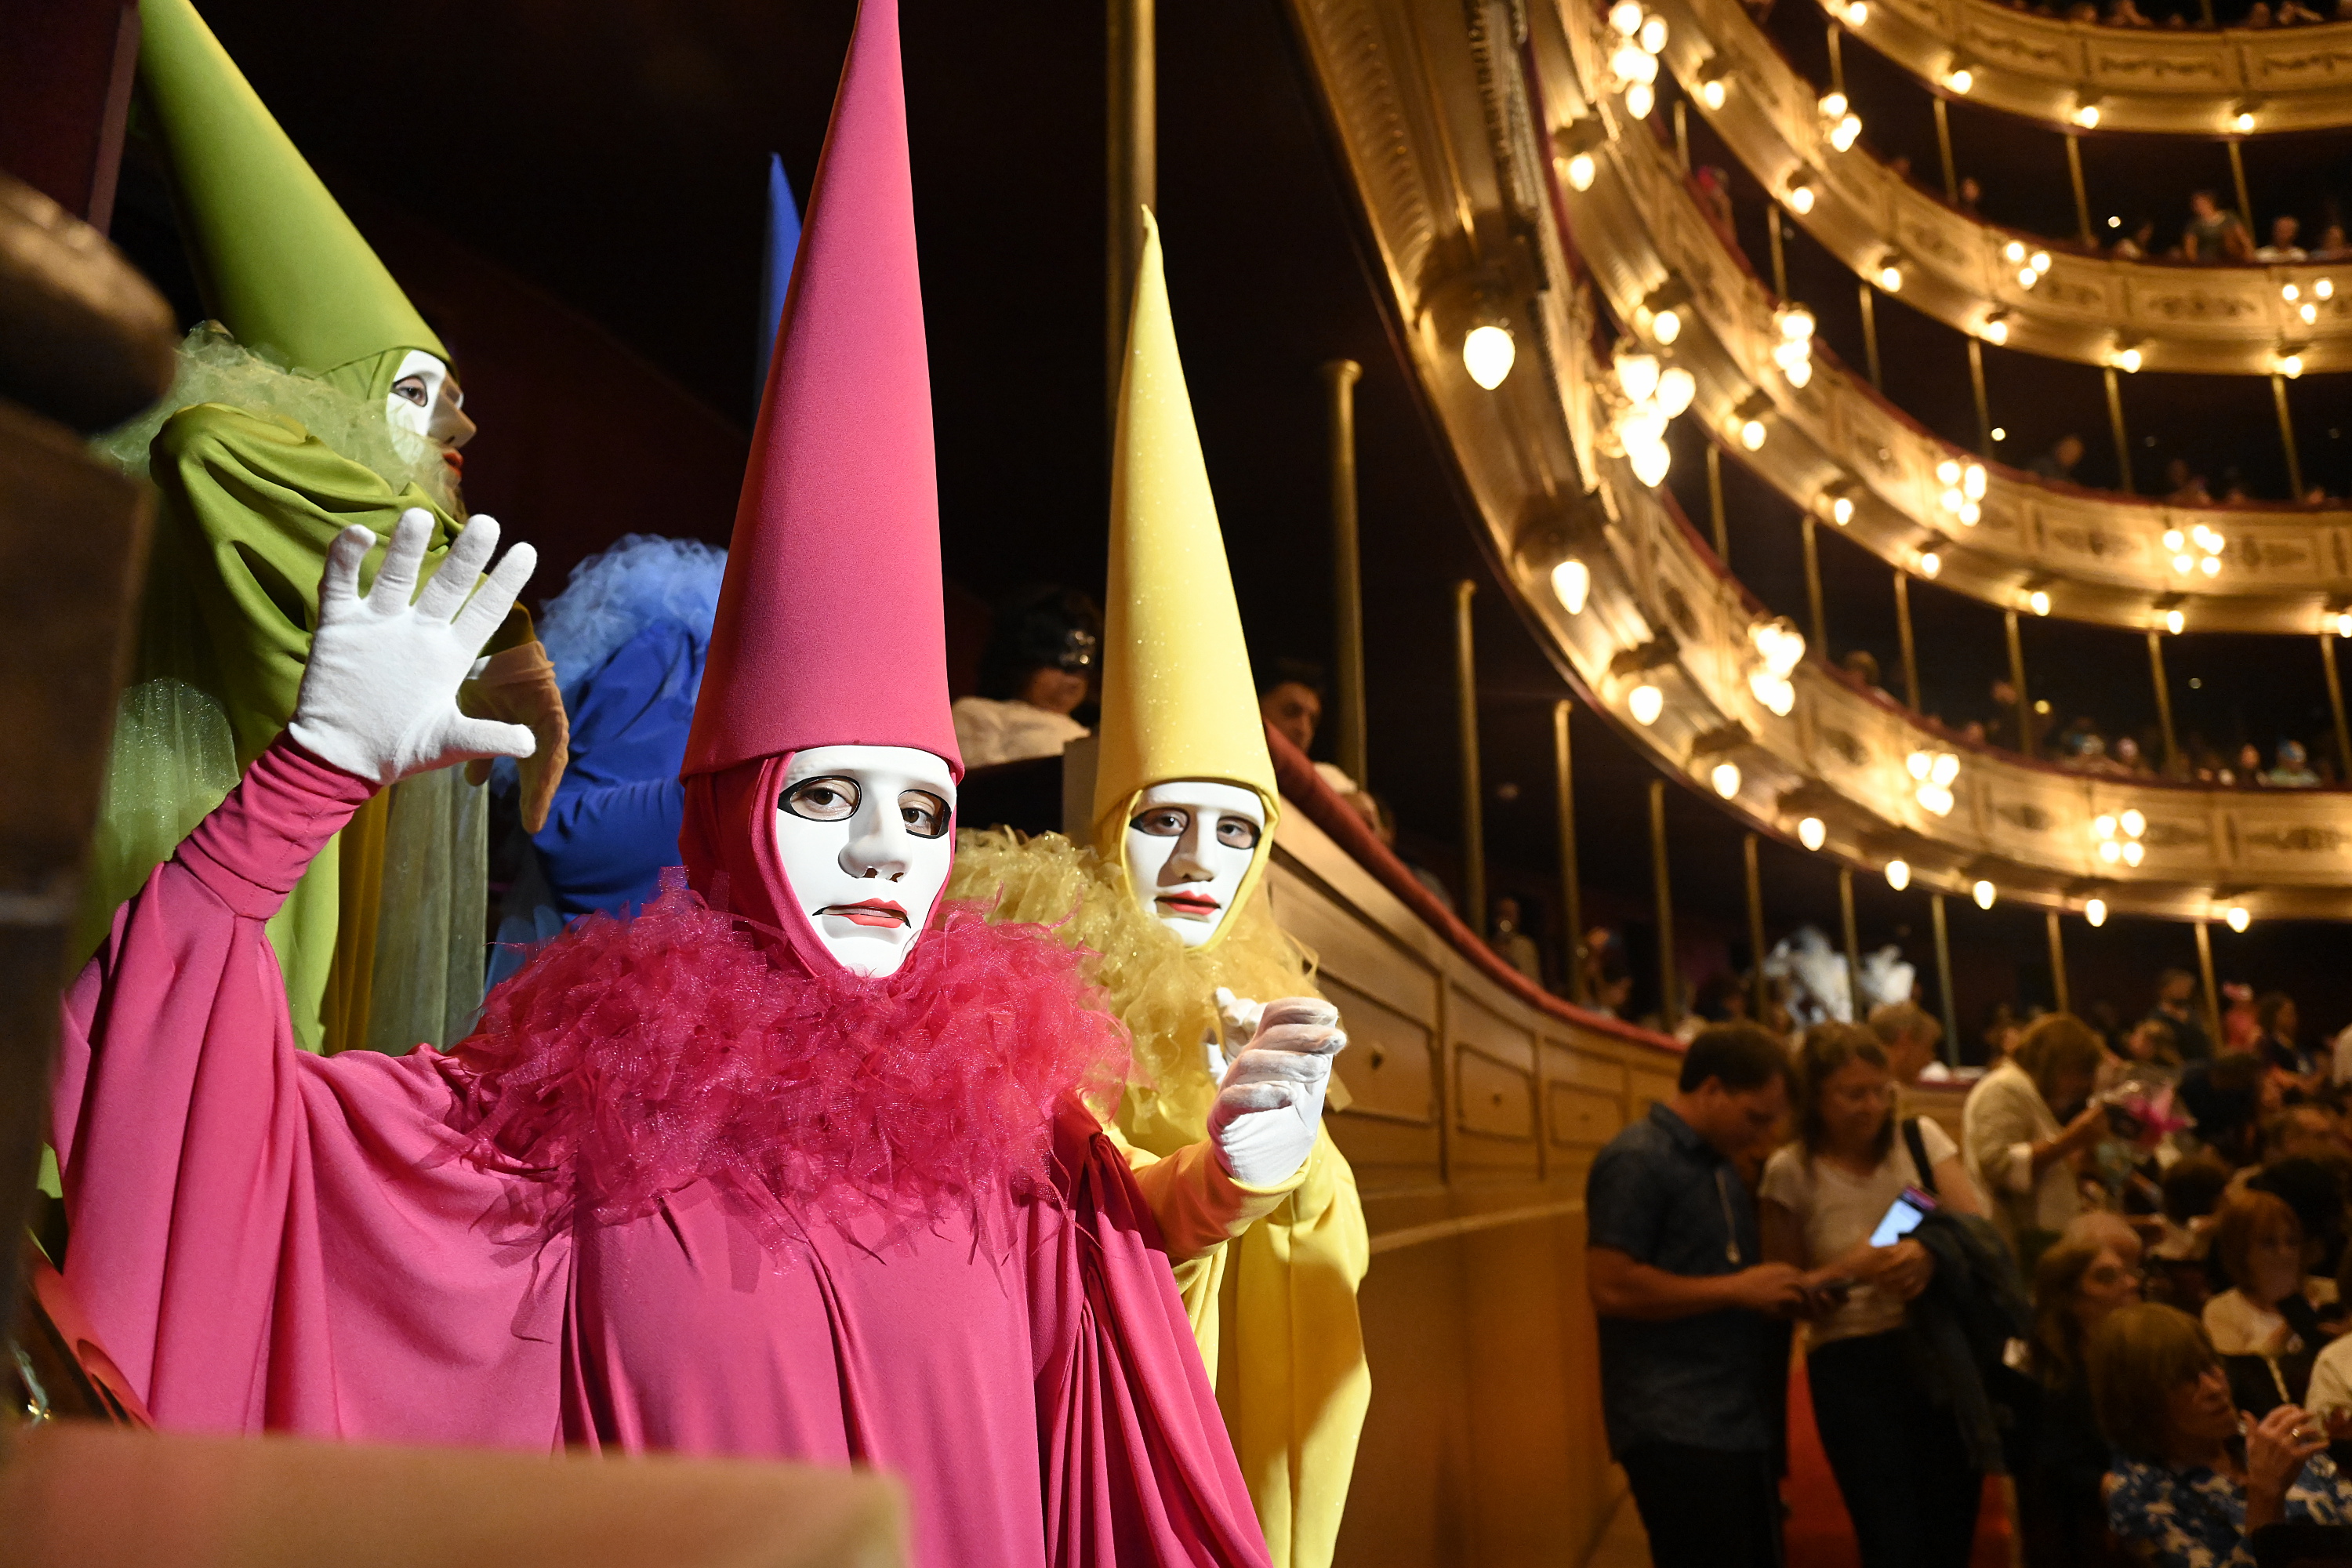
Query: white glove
379,696
1271,1101
1237,1019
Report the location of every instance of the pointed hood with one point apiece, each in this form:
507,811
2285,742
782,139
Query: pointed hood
831,629
1177,697
279,263
782,243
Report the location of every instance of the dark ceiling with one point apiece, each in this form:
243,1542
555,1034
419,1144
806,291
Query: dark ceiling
609,156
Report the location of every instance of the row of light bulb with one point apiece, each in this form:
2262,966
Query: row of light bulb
1792,346
1964,490
1812,834
2307,311
1932,774
1779,648
2207,540
1635,62
2031,266
2119,836
1655,396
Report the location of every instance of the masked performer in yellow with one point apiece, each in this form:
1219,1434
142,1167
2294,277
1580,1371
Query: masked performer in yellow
317,398
1184,811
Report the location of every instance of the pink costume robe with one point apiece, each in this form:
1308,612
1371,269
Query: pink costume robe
268,1240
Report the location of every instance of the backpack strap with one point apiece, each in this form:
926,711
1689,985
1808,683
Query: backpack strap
1917,1144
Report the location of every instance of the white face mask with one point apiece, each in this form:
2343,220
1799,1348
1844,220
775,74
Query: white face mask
411,421
865,837
1188,844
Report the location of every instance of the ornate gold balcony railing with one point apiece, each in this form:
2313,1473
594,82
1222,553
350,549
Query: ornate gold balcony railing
2085,75
1838,449
2134,315
1448,153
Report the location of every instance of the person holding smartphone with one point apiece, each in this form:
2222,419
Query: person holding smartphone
1838,1203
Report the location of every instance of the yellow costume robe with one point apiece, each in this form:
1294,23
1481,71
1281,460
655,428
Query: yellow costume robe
1289,1362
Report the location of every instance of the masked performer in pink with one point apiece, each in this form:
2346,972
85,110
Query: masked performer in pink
797,1162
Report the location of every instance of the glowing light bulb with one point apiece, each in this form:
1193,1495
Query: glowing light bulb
2291,292
2039,261
1898,874
1845,132
2211,565
1952,498
1581,170
2245,123
1984,893
1960,80
1637,376
2290,366
2173,621
2183,562
2238,919
1725,779
1947,769
1752,433
1625,16
1796,323
1773,691
1811,834
1857,14
2013,253
1930,563
1948,472
1666,326
1890,277
1841,514
2309,312
1645,703
2027,278
1996,332
1920,764
2096,911
2133,823
1653,34
1571,581
1972,480
2344,623
2104,825
2039,601
1711,93
2133,852
1652,460
1677,387
2087,117
1801,198
2325,289
1799,375
1640,99
2127,361
2111,851
1487,354
2175,541
1833,105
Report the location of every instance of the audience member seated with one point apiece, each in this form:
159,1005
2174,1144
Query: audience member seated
2016,1146
2286,225
1897,1452
2265,1327
2058,463
2186,1489
2214,233
1037,670
2060,1455
2227,1098
2299,1074
2179,1270
1909,1036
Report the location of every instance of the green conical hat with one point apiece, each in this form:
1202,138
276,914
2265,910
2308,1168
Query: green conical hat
281,267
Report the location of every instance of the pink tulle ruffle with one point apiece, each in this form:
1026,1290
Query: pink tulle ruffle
632,1057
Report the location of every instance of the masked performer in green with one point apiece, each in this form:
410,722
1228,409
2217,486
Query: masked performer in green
315,398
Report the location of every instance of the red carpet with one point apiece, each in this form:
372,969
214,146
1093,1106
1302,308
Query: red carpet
1819,1536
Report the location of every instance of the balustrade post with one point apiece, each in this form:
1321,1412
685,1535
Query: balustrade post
2163,702
1715,505
1869,298
1670,1011
2205,977
1984,408
1465,699
1759,987
1910,646
2017,682
1350,739
2057,959
1853,941
2082,194
1944,146
1571,896
2238,179
1944,979
2286,437
1819,628
1779,258
2122,437
2336,708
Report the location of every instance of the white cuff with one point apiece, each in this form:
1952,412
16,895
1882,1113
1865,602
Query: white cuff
2019,1175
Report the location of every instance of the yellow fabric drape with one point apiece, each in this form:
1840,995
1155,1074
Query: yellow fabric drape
1290,1366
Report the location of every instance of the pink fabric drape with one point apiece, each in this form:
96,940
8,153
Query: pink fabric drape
271,1240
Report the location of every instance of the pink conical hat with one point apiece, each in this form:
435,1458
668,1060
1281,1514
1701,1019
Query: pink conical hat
829,628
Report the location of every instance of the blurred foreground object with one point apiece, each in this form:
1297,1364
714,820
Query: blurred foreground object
81,1496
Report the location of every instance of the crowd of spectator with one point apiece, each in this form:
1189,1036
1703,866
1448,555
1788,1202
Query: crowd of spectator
2124,1283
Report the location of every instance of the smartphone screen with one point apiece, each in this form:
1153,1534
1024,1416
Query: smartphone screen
1902,1216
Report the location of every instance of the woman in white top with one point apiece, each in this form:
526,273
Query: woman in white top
2014,1143
1898,1458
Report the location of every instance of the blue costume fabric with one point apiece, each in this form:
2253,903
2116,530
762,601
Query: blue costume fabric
628,636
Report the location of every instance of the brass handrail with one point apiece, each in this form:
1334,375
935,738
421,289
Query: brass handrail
1449,157
2232,320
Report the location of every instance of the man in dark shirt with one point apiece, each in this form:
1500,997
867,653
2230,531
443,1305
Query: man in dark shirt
2176,1004
1675,1267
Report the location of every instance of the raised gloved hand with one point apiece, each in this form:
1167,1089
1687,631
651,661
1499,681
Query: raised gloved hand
518,685
1237,1019
1270,1102
379,695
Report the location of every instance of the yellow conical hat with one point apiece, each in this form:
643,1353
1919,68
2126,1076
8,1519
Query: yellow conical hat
279,263
1177,698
